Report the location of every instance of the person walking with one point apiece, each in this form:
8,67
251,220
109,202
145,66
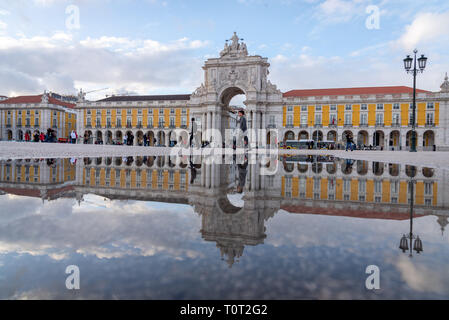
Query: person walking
242,138
73,137
42,137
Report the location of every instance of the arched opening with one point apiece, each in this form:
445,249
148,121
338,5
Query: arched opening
317,167
331,168
428,172
99,137
9,135
151,139
109,139
129,161
232,99
303,168
362,167
118,161
362,138
303,135
317,136
346,167
288,167
139,161
139,138
129,138
118,137
332,136
88,139
150,161
289,135
347,136
378,139
98,161
395,139
394,169
428,140
160,161
172,141
410,171
161,138
378,168
19,135
108,161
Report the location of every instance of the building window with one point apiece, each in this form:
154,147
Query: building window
362,186
429,118
128,111
289,120
272,119
161,121
363,119
172,111
150,111
396,106
139,121
318,108
396,118
172,121
333,107
304,119
394,187
364,107
183,121
161,111
380,106
150,121
379,119
348,119
289,109
333,119
346,185
303,108
184,111
430,105
318,119
128,121
348,107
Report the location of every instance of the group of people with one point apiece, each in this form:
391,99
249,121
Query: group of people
37,136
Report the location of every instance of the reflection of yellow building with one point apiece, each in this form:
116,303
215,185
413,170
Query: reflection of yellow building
353,189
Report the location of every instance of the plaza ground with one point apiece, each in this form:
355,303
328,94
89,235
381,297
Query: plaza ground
23,150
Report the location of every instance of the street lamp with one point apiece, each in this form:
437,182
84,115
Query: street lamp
404,243
408,62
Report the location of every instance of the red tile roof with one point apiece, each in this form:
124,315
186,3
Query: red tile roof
351,91
36,99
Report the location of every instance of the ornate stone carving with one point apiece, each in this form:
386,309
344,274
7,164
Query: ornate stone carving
44,97
235,49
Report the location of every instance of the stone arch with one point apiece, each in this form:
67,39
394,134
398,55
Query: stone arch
429,139
317,135
150,137
332,136
289,135
362,167
98,137
108,137
379,139
9,135
362,138
118,137
303,135
395,139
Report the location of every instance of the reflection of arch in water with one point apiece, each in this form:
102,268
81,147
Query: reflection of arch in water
108,161
346,167
378,168
150,161
160,161
428,172
410,171
98,161
362,167
303,168
394,169
118,161
289,167
139,161
317,167
227,207
331,168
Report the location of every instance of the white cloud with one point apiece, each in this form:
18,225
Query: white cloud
425,28
59,63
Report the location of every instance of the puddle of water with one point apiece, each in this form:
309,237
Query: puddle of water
244,228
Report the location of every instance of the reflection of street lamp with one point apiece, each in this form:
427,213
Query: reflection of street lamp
408,68
404,243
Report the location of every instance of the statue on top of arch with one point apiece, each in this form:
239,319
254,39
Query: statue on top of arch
235,49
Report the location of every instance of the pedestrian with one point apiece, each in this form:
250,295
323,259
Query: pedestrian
73,137
42,137
27,137
242,138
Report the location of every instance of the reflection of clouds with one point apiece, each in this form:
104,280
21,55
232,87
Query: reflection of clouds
423,278
121,228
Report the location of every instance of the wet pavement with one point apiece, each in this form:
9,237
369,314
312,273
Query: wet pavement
167,227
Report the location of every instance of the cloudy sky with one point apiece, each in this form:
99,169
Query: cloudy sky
159,46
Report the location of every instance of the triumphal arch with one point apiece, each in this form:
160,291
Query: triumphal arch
234,73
